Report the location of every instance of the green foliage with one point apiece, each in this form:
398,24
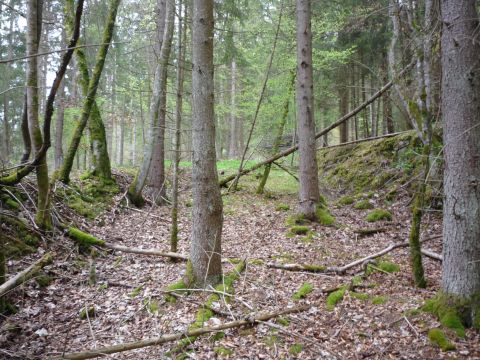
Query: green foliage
360,296
282,207
223,351
379,300
87,312
383,266
303,291
43,280
296,219
324,217
284,321
438,338
299,229
378,214
363,205
83,238
136,291
335,297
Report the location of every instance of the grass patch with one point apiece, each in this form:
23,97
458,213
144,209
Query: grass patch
378,214
360,296
295,349
363,205
296,219
324,217
346,200
223,351
304,290
299,230
379,300
335,297
282,207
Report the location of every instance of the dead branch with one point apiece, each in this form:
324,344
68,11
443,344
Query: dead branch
432,255
340,121
298,267
369,231
151,252
250,320
362,140
25,275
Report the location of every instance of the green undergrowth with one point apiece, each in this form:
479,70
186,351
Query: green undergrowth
378,215
89,196
355,167
18,239
438,338
363,205
206,311
303,291
346,200
382,266
335,297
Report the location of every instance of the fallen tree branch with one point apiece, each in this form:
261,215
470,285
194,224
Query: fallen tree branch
151,252
343,269
340,121
369,231
432,255
363,140
250,320
25,275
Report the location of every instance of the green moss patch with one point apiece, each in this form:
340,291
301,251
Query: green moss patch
282,207
87,312
296,219
378,214
363,205
383,266
335,297
346,200
379,300
83,238
223,351
295,349
438,338
299,230
324,217
303,291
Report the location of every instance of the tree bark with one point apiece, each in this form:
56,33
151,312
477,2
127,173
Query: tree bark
233,148
153,160
343,102
207,212
308,170
461,117
89,101
58,147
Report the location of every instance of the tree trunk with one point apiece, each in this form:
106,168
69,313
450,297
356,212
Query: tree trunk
98,140
153,161
91,91
181,40
233,148
207,212
121,141
461,116
308,170
58,147
343,103
6,129
34,24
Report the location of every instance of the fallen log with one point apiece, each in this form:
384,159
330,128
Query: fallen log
432,255
250,320
369,231
340,121
343,269
25,275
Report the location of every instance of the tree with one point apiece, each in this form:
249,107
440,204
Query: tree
461,131
207,211
308,171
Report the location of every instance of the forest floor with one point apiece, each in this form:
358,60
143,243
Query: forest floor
383,322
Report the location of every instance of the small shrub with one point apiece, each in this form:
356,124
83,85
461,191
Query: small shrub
377,215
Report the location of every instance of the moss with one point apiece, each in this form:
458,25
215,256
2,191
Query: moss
363,205
295,349
335,297
356,280
299,230
12,204
438,338
324,217
218,336
223,351
256,262
314,268
272,340
346,200
83,238
179,285
378,214
359,296
379,300
43,280
308,239
284,321
296,219
304,290
391,195
450,311
87,312
282,207
412,312
383,266
136,291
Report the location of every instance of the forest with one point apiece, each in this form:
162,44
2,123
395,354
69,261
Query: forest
250,179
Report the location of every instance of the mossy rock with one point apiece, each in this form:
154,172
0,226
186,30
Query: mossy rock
363,205
438,338
378,215
303,291
346,200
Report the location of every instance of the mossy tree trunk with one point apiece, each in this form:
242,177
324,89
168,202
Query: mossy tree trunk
181,33
98,141
278,136
89,101
460,47
157,122
207,211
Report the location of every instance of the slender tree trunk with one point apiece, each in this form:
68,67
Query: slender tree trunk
121,141
157,116
308,170
58,147
6,128
353,91
181,40
461,117
207,212
233,149
91,92
343,103
279,134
